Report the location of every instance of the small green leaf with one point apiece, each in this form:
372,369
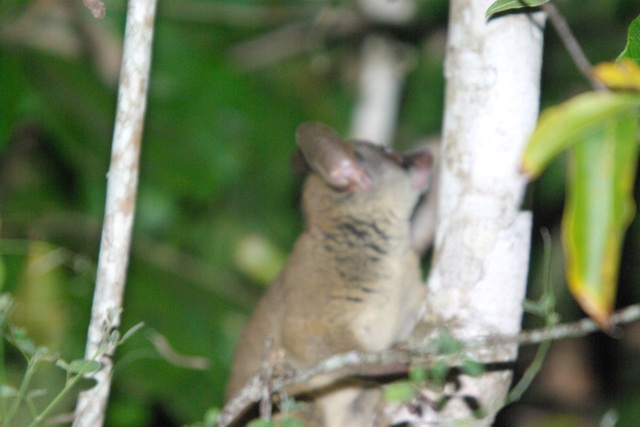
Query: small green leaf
38,392
23,342
632,49
399,392
291,421
261,423
83,366
439,371
114,338
62,364
447,343
533,307
417,374
290,404
211,416
7,391
504,5
564,125
6,305
131,331
472,368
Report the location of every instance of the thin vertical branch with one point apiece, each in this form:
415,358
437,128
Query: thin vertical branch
571,44
120,207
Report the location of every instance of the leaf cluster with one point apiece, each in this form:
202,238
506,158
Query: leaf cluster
13,398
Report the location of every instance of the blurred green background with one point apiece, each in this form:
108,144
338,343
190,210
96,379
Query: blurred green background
217,204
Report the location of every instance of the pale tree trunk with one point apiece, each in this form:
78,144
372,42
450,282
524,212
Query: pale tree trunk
477,284
120,208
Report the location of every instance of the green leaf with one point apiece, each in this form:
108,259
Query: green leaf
417,374
291,421
504,5
6,304
290,404
399,392
114,338
564,125
35,393
7,391
23,342
632,49
439,371
211,416
130,332
260,423
83,366
447,343
62,364
599,209
472,368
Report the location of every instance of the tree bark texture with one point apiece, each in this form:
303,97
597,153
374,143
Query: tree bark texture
119,210
478,280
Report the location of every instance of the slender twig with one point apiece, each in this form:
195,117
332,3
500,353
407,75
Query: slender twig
71,383
548,304
5,308
571,44
398,360
26,380
120,205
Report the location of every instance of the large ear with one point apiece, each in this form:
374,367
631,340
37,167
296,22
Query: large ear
425,218
330,156
299,164
420,165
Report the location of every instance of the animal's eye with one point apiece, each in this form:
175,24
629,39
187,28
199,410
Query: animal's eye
392,155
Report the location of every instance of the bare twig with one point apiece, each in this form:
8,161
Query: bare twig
398,360
120,205
168,353
571,44
266,374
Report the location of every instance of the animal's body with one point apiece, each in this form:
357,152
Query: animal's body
353,280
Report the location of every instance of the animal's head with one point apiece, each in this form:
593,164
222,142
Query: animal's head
358,177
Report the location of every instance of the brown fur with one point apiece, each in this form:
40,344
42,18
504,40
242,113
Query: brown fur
353,280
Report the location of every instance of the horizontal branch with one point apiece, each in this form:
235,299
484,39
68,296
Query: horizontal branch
398,360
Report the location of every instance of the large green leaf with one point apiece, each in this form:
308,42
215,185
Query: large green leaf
564,125
599,209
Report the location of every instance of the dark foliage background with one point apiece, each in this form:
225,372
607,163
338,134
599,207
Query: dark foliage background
217,209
